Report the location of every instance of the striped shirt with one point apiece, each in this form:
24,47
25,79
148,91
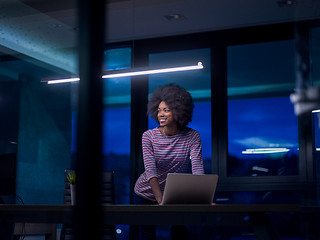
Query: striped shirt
168,154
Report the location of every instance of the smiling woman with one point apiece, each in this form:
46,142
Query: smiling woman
172,147
198,84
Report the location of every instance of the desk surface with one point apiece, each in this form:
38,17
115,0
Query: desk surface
186,208
136,214
214,215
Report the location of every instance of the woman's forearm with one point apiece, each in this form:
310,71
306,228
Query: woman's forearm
156,189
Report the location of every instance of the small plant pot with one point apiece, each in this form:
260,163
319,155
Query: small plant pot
73,194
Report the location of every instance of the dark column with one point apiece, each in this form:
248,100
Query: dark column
139,118
307,102
219,102
88,163
139,123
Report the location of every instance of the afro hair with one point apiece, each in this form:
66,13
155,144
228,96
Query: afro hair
179,101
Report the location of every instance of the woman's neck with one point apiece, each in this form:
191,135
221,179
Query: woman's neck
169,131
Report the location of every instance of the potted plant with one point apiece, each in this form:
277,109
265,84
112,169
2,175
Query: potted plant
71,176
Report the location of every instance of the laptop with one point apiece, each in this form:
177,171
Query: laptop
183,188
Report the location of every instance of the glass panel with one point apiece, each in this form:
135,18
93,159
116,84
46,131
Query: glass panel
263,137
315,55
116,122
315,73
198,83
262,127
35,141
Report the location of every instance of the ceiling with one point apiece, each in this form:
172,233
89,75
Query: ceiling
46,30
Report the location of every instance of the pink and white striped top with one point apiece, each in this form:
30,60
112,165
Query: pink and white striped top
168,154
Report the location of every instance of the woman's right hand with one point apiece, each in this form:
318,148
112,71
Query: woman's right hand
156,189
159,199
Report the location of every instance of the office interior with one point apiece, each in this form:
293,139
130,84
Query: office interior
256,54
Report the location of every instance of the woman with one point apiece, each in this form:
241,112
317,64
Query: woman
169,148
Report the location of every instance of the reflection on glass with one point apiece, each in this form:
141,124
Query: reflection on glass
315,55
262,127
116,150
116,122
116,127
35,117
316,120
315,73
263,137
117,58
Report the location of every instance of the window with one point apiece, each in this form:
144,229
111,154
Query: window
262,127
315,73
263,137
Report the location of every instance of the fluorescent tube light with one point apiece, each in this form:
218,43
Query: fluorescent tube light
63,80
133,72
154,71
260,169
265,150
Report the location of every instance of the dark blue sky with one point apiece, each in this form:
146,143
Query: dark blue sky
261,123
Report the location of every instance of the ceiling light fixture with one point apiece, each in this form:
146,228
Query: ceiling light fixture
138,72
265,150
65,80
131,73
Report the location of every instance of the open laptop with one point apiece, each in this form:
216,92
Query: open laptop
183,188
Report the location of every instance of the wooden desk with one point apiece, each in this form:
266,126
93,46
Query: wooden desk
218,215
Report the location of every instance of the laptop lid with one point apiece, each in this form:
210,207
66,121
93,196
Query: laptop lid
183,188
